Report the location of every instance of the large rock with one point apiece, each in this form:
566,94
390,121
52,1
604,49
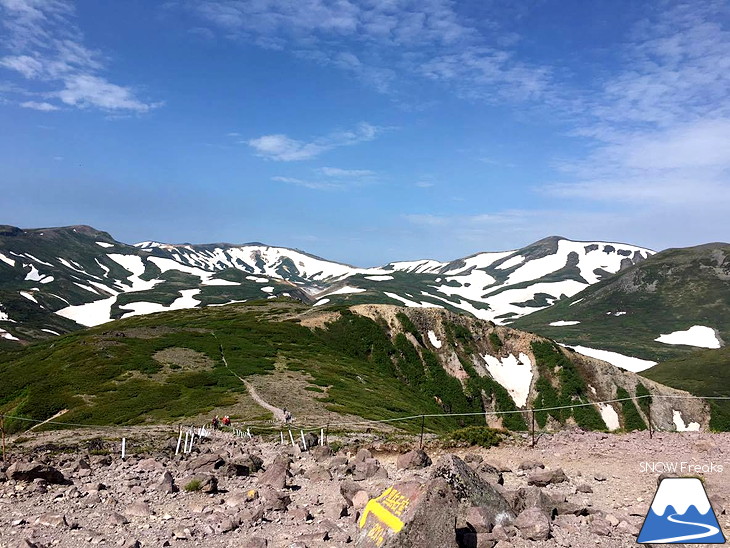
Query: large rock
410,515
534,524
276,474
166,484
413,460
245,466
469,487
28,471
543,478
205,463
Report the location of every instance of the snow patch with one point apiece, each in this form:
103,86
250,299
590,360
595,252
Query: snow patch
509,263
434,340
219,281
345,290
614,358
5,335
51,331
576,302
186,300
257,279
410,303
681,426
268,289
321,301
104,244
515,374
379,278
28,296
8,260
697,335
609,416
561,323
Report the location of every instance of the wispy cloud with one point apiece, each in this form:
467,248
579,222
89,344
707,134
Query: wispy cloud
660,128
380,43
332,178
282,148
44,46
42,106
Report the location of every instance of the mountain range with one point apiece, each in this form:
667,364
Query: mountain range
55,280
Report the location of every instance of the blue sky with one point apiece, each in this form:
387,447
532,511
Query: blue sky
368,131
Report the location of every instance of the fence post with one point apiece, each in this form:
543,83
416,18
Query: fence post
282,437
179,439
304,442
124,448
2,429
291,437
532,427
423,422
321,436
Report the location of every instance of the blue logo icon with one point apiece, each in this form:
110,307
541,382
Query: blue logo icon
681,513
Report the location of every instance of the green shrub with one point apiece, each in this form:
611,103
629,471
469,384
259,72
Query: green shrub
495,341
193,485
632,418
477,435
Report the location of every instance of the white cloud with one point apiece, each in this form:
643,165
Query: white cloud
44,46
660,127
285,149
332,178
46,107
338,172
394,39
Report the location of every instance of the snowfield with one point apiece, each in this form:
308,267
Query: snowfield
681,426
609,416
697,335
619,360
561,323
515,374
434,339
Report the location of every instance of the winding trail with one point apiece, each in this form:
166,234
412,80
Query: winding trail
278,413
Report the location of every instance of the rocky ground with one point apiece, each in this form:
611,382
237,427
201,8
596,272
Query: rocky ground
574,489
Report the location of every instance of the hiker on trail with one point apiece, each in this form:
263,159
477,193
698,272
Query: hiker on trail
216,422
226,421
287,416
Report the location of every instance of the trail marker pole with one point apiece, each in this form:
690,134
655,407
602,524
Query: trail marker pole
2,429
282,437
423,422
532,427
321,436
179,439
248,431
124,448
292,439
185,447
304,442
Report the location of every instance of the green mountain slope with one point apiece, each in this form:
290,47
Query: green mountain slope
670,291
328,364
705,373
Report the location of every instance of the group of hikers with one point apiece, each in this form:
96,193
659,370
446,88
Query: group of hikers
217,422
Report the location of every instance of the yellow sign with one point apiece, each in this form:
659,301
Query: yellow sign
387,508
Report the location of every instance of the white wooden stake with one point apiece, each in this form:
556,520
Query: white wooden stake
192,438
179,439
124,448
321,436
304,442
282,437
185,447
248,431
292,439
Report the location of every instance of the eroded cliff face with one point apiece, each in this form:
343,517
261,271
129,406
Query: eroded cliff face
535,373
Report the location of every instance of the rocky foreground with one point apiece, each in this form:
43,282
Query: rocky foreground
574,489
